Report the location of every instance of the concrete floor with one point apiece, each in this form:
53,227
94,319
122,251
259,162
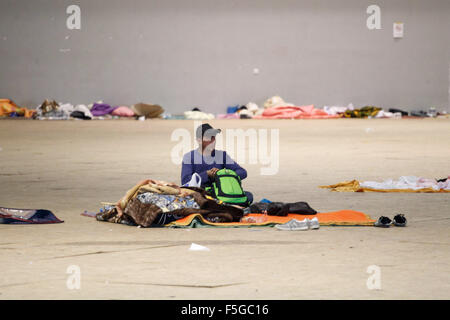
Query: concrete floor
71,166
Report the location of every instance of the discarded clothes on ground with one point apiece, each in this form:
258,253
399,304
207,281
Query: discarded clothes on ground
403,184
154,202
9,109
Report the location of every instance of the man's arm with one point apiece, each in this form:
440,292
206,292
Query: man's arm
187,170
231,164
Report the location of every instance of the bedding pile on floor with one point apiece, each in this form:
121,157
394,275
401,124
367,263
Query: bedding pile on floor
403,184
156,203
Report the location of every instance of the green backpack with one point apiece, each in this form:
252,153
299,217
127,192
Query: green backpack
227,188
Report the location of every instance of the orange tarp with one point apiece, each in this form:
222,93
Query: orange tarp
337,218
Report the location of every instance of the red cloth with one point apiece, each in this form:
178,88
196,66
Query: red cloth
294,112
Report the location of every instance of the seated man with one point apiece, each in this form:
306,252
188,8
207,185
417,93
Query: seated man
206,161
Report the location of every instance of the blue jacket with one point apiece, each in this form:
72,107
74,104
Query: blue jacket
194,162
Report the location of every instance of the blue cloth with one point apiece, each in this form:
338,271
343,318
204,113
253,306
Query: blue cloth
232,109
194,162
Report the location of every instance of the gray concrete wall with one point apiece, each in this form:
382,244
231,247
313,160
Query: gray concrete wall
186,53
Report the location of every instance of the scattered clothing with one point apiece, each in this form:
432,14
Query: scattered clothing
101,109
123,111
198,115
228,116
384,114
395,110
403,184
82,112
365,112
79,115
27,216
295,112
232,109
9,109
282,209
276,101
50,110
147,110
335,110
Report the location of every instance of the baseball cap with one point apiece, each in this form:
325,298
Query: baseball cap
206,131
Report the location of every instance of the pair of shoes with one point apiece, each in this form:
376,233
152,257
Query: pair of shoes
296,225
385,222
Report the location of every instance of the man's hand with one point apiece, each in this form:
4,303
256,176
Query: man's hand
212,172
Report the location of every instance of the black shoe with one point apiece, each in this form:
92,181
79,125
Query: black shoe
400,220
383,222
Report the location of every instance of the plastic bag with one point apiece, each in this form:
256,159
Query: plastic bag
196,181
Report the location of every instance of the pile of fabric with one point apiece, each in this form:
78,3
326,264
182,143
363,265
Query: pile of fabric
157,203
276,108
147,110
403,184
365,112
282,209
295,112
51,110
338,110
9,109
248,111
197,114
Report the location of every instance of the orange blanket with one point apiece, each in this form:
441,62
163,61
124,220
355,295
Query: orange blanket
8,106
335,218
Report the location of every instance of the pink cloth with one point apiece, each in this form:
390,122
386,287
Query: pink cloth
228,116
123,112
293,112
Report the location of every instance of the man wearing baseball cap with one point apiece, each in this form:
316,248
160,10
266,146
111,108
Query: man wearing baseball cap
206,160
